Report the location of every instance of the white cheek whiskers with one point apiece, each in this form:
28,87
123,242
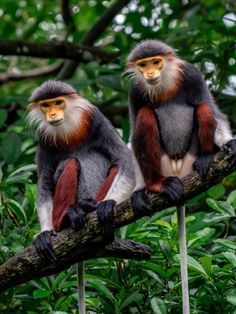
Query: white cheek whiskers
170,79
73,115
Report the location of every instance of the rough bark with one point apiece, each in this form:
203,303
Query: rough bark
71,246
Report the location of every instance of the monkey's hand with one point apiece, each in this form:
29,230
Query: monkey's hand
105,214
138,201
75,217
172,187
231,145
87,204
202,162
43,245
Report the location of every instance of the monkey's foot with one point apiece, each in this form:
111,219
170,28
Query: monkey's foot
231,145
138,201
43,245
202,163
172,187
105,214
75,217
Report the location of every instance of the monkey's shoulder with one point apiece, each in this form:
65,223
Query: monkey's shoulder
192,78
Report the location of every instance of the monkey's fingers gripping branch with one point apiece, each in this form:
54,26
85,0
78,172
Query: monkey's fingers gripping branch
231,147
43,245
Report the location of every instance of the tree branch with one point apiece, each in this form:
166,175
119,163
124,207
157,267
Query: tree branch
71,247
92,35
21,75
64,50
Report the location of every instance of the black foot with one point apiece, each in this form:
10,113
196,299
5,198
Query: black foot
202,163
75,217
173,188
231,145
43,245
138,201
105,214
87,204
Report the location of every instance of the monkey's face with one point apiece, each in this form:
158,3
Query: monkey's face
150,68
53,109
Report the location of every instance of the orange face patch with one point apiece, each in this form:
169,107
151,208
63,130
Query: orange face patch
53,109
151,68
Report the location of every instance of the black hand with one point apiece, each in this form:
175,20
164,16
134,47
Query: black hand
231,145
43,245
87,204
75,217
138,201
105,214
173,188
202,163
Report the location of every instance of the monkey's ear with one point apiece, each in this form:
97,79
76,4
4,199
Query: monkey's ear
31,106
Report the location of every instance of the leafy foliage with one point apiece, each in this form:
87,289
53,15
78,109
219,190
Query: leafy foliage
203,32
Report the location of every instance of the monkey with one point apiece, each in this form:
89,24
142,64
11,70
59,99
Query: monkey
176,128
83,164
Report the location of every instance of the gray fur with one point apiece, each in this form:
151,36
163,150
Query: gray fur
175,132
102,149
51,89
149,48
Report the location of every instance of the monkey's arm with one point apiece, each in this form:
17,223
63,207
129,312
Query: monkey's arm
44,205
120,180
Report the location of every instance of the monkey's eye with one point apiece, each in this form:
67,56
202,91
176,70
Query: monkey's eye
156,62
45,105
58,102
142,65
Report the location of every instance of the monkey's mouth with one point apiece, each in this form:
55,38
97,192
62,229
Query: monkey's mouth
153,81
56,122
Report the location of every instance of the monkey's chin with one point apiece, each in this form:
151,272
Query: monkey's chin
56,122
154,81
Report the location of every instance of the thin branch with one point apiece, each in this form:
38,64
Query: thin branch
71,247
64,50
93,34
67,16
40,72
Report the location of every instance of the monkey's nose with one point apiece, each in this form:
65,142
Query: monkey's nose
150,74
52,115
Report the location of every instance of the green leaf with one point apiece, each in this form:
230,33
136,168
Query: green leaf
230,257
216,191
194,264
21,174
206,262
129,298
40,294
103,290
163,223
3,117
17,209
158,306
11,147
201,237
232,199
226,243
231,298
